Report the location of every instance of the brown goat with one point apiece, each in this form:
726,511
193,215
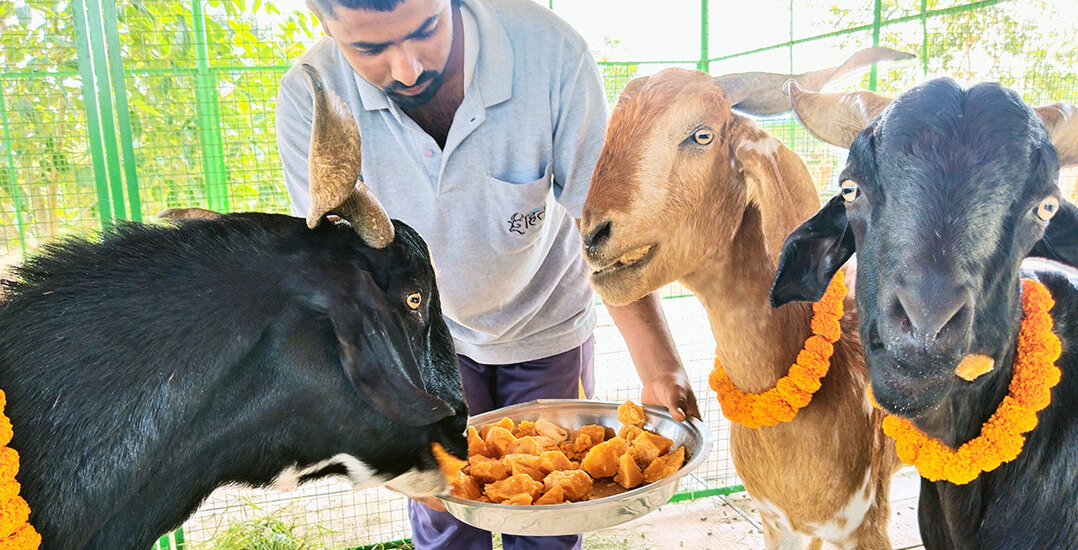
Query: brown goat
687,190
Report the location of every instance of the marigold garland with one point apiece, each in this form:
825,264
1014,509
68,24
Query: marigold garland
1001,439
794,391
16,533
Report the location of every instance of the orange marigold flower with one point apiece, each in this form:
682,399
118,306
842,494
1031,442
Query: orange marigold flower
24,538
827,327
794,391
9,490
818,345
13,514
9,464
5,430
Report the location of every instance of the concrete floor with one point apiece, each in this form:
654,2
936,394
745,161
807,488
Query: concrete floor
732,523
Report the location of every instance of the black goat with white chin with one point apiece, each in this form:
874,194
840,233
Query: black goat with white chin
945,193
149,367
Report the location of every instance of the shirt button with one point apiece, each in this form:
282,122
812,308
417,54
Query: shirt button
428,153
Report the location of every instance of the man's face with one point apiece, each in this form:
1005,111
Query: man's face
403,51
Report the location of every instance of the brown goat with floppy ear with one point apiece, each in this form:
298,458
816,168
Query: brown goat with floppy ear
688,190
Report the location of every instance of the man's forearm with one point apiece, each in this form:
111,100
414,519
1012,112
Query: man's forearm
643,326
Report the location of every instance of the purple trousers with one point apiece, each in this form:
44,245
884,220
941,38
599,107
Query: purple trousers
489,387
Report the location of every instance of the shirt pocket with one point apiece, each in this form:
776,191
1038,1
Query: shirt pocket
517,212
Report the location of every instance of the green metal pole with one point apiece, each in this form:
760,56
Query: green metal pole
877,11
924,39
705,38
13,184
123,112
93,121
104,101
209,117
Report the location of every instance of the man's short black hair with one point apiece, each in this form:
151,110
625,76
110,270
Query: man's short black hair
325,7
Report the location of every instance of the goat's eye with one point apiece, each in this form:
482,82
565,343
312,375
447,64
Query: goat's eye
414,299
1048,208
849,190
703,137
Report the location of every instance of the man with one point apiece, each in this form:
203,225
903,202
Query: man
481,122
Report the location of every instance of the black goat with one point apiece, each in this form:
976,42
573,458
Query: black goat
146,369
944,195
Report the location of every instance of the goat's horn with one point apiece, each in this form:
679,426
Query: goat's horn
188,214
836,118
334,165
763,94
1061,121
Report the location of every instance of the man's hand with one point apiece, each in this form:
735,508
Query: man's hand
673,391
647,336
434,503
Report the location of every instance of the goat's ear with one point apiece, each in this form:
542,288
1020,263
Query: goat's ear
812,254
1060,240
836,118
376,355
1061,121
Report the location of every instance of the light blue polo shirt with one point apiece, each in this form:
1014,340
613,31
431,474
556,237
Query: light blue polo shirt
497,206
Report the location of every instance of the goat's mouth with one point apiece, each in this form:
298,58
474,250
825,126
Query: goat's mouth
633,258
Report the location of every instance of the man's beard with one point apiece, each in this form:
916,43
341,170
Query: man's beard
413,101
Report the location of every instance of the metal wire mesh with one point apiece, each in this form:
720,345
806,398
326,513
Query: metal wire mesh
115,110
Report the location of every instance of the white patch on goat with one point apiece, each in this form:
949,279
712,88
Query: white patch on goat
866,403
766,146
419,483
849,517
361,475
776,520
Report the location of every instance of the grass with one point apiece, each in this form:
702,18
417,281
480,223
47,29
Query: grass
263,533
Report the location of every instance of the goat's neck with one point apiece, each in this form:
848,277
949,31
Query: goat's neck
755,342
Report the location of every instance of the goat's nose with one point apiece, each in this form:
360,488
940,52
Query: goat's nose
927,314
594,238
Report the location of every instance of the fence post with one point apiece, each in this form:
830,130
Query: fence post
704,64
123,112
877,11
93,112
12,176
96,34
209,116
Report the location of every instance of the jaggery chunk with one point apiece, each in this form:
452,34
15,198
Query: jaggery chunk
596,433
629,474
549,429
629,433
498,440
467,487
521,499
631,414
449,464
487,470
501,491
554,460
575,483
525,445
648,446
505,422
602,459
476,445
556,495
525,427
525,464
665,465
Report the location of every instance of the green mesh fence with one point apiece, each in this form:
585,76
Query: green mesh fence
117,110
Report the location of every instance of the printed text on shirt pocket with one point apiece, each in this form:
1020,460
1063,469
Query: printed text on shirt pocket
517,212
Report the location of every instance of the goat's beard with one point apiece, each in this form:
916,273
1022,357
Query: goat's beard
418,100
